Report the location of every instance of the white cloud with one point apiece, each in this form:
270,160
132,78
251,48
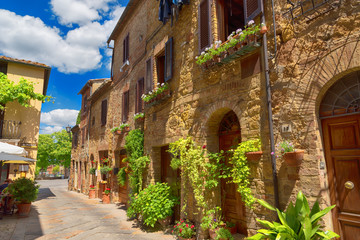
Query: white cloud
79,11
50,130
59,117
77,51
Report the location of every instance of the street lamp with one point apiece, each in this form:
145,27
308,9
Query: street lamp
68,130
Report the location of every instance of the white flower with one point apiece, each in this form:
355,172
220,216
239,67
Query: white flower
162,84
158,84
212,45
202,53
251,22
196,57
206,49
238,31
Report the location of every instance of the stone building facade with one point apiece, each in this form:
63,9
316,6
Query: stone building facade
313,72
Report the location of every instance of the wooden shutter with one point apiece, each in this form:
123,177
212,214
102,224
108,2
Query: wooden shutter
204,25
103,112
168,60
149,75
3,67
126,49
139,93
125,107
252,8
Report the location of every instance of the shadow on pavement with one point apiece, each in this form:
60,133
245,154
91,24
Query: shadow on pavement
45,193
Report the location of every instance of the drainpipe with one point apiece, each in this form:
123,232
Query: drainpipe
268,101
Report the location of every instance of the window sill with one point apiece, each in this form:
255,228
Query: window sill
159,98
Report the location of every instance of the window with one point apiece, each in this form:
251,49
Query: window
85,103
126,49
103,112
164,61
83,136
234,14
3,67
125,107
139,93
204,25
75,139
149,76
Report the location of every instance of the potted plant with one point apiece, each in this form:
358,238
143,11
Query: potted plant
92,192
106,196
25,191
231,227
287,151
184,230
153,203
297,222
139,117
252,151
212,220
116,130
92,171
223,234
124,127
104,170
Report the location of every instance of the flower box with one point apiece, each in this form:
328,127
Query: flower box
294,159
117,132
253,156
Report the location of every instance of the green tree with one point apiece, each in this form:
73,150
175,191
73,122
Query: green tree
78,119
22,92
54,149
56,169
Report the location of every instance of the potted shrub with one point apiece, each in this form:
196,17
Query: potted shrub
92,192
124,127
92,171
106,196
104,171
298,222
292,157
116,130
153,203
184,230
25,191
223,234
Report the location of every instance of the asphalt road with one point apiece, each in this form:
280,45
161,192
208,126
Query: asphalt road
62,214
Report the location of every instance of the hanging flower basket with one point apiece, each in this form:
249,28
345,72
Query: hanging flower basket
253,156
117,132
294,159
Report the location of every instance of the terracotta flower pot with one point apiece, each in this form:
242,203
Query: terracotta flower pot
92,193
23,209
294,159
118,132
165,222
263,29
212,233
254,156
105,198
232,230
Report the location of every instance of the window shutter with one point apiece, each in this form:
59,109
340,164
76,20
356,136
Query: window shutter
204,25
3,68
168,60
103,112
125,114
124,50
140,93
149,75
252,8
127,47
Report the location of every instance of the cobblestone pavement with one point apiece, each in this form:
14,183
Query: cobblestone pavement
61,214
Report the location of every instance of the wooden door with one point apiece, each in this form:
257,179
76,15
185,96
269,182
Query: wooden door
170,176
232,205
123,190
342,152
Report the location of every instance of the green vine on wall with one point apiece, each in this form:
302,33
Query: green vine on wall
137,162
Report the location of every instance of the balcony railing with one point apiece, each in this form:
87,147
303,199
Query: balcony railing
10,129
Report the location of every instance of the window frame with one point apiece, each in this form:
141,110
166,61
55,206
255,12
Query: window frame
126,48
139,103
104,112
125,106
210,38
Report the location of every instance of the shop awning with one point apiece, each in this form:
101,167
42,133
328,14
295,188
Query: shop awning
12,149
10,158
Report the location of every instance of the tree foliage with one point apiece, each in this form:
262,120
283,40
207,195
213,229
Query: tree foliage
78,119
54,149
22,92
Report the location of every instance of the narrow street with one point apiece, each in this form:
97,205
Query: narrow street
61,214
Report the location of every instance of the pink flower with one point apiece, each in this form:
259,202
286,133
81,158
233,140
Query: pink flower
192,226
187,225
182,221
272,153
175,226
180,230
178,224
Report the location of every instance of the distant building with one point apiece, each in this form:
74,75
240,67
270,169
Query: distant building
20,125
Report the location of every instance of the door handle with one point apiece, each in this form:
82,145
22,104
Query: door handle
349,185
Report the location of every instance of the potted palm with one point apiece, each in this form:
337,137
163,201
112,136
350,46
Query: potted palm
25,191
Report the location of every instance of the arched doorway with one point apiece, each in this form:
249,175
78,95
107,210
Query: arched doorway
232,206
340,119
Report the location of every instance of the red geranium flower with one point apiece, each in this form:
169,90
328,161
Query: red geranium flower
192,226
187,225
175,226
180,230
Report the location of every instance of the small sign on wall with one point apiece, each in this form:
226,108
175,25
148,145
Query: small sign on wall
285,128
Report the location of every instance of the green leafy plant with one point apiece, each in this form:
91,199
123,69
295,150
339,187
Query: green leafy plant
123,126
240,170
105,160
121,176
153,203
184,229
284,147
160,88
138,115
212,219
230,224
297,222
115,129
22,92
137,162
24,190
234,38
223,234
107,191
92,171
105,169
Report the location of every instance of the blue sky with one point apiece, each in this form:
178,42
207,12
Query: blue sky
68,35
